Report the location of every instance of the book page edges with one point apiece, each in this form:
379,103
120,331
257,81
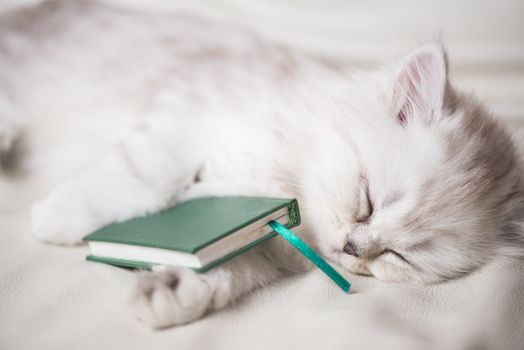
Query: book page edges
203,260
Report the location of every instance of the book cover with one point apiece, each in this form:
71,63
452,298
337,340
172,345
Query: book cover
193,225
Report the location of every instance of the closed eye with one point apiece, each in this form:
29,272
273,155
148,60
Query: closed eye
366,207
398,255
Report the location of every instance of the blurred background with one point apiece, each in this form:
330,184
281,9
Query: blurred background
485,38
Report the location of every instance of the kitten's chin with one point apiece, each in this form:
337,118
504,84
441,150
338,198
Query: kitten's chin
384,271
356,266
394,273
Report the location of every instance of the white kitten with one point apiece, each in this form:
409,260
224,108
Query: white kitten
397,174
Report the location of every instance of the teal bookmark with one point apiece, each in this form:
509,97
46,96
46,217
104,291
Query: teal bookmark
311,255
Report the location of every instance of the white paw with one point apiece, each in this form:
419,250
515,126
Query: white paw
171,297
56,223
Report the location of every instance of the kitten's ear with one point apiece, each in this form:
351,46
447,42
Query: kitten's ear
419,85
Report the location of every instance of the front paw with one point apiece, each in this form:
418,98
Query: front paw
170,297
58,223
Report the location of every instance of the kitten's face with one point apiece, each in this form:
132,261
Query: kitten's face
421,193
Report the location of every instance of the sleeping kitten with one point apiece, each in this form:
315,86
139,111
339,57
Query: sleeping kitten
398,175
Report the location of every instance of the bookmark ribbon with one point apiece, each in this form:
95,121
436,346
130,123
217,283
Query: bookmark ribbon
310,254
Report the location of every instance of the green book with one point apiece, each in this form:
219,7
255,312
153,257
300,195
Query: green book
200,233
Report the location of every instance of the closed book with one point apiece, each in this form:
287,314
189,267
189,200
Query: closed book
200,233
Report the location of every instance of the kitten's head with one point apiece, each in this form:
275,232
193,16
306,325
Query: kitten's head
426,183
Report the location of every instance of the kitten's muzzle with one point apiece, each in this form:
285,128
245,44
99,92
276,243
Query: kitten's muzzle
350,249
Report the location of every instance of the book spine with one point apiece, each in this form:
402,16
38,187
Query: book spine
293,213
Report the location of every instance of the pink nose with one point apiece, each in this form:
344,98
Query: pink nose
349,248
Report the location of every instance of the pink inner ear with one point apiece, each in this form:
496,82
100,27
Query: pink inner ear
421,86
401,116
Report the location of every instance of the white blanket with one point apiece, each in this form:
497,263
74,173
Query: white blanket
50,298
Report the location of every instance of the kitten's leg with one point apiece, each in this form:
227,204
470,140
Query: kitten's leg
139,175
176,296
